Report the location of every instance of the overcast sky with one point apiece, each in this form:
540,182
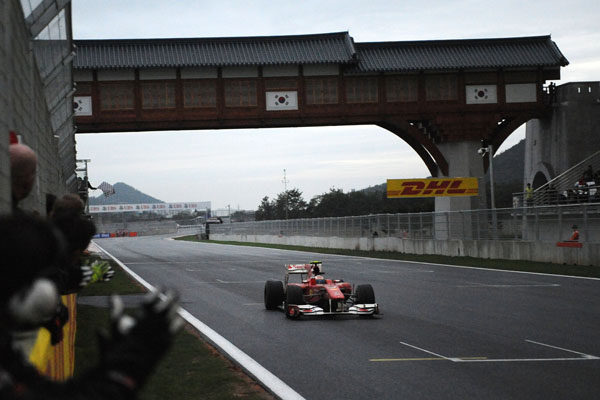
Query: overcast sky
239,167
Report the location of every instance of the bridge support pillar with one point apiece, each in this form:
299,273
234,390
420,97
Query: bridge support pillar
463,161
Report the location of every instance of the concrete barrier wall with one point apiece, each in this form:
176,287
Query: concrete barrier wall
589,254
143,228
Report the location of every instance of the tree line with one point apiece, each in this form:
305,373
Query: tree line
291,205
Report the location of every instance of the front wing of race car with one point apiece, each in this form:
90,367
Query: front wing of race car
310,310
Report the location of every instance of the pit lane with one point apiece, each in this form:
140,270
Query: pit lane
446,332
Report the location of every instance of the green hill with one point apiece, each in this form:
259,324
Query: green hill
124,194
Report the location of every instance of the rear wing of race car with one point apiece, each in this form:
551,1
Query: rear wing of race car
297,268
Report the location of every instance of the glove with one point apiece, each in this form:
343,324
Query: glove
136,344
55,325
102,271
86,276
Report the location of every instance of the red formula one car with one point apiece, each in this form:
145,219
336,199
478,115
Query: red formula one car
315,295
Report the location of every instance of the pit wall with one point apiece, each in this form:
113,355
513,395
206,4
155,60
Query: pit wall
588,254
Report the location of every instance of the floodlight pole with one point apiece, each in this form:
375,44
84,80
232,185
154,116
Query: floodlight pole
285,182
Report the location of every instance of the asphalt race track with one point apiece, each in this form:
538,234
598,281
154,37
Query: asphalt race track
446,333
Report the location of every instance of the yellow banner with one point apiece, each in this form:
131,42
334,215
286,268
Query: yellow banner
433,187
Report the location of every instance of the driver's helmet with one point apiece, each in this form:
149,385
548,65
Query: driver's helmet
320,279
316,267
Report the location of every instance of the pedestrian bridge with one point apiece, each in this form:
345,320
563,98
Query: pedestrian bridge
442,97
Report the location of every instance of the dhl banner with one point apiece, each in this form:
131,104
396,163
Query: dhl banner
433,187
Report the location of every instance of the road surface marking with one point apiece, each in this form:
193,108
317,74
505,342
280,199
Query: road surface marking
563,349
429,352
486,285
584,357
422,359
398,272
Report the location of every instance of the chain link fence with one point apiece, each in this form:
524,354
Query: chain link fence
546,223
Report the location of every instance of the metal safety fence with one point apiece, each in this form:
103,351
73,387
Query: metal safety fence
544,223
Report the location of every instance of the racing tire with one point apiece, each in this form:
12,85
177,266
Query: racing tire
273,294
294,295
365,294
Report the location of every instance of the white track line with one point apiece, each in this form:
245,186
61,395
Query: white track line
584,357
485,285
260,373
430,352
563,349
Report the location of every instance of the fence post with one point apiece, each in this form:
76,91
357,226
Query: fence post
560,223
448,225
585,224
388,225
537,224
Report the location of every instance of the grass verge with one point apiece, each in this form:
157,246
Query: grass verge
509,265
192,369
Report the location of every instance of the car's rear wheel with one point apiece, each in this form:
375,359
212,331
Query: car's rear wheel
365,294
294,295
273,294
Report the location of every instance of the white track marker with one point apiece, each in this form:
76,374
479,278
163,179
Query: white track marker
260,373
431,352
485,285
584,357
588,356
404,271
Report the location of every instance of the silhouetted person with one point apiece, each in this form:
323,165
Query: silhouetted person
77,229
83,186
23,166
528,195
28,299
575,235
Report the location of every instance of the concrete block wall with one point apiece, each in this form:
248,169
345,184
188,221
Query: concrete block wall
4,107
24,110
589,254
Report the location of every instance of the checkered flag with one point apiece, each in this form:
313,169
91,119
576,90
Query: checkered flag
106,188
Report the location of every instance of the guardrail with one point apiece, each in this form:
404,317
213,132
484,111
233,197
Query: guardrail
540,223
577,194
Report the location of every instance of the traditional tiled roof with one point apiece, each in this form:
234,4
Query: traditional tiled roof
331,48
523,52
336,48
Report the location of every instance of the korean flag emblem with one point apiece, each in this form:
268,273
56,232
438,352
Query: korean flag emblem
481,94
281,100
82,105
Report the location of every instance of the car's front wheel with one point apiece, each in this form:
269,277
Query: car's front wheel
273,294
365,294
294,296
